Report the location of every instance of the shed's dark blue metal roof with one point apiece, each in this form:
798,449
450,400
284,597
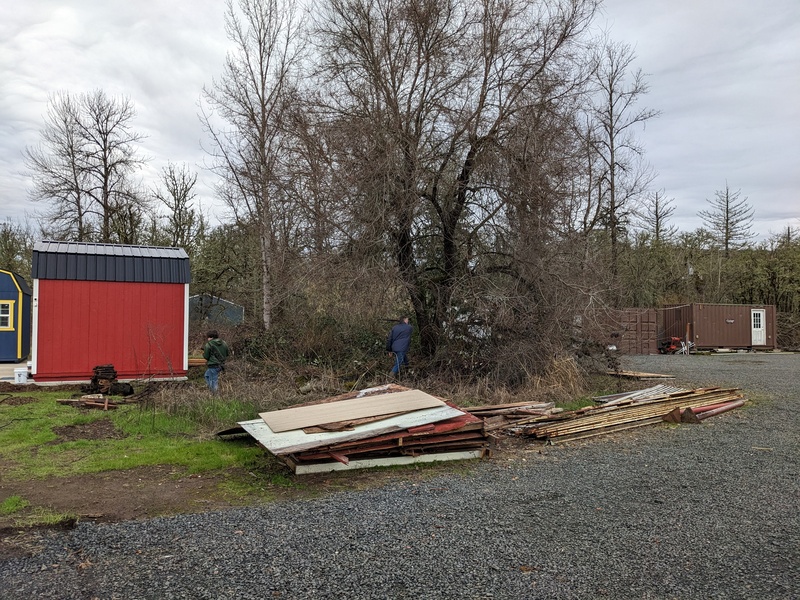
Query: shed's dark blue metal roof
6,285
80,261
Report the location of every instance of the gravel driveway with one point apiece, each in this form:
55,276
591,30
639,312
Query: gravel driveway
689,511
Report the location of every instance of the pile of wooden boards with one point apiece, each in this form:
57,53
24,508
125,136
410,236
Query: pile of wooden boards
502,416
386,425
629,412
97,401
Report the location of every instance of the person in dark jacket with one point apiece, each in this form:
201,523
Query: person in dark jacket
398,343
215,352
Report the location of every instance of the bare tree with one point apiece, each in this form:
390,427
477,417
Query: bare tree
84,167
251,99
428,91
58,172
185,224
617,115
655,213
729,219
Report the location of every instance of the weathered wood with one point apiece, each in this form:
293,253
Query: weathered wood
502,408
81,403
596,420
288,442
348,410
639,375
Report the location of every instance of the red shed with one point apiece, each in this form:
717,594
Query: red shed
96,304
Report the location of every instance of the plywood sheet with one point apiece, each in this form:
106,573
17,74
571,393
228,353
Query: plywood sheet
347,410
287,442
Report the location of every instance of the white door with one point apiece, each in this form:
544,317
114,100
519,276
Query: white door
758,316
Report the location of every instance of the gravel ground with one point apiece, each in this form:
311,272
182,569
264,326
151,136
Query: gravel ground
691,511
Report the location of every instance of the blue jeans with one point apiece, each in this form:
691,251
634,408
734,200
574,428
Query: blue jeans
400,359
212,378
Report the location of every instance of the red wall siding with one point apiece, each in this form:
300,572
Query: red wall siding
137,327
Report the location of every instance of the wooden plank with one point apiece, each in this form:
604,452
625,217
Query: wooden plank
349,425
373,391
640,375
348,410
510,405
287,442
367,463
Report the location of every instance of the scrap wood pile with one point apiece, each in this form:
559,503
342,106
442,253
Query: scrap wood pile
385,425
626,411
104,381
90,401
502,416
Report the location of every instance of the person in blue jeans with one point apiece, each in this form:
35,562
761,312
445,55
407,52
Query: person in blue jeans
215,352
398,343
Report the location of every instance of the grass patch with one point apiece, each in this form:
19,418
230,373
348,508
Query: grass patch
42,517
146,435
577,403
13,504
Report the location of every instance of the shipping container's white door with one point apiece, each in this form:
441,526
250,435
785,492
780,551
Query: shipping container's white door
758,316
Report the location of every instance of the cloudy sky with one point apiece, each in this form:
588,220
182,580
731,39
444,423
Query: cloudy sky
725,75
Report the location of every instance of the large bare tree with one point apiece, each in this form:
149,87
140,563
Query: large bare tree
84,168
617,116
244,116
429,91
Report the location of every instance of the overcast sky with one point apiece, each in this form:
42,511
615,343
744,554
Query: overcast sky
725,75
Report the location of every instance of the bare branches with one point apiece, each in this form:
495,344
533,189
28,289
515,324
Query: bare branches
84,166
252,98
729,219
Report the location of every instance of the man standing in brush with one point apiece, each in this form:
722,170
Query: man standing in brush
215,352
398,343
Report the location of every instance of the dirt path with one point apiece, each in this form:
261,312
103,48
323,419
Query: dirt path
120,495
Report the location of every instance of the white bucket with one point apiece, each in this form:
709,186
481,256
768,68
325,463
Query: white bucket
21,375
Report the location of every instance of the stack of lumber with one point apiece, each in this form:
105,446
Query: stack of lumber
381,426
503,416
651,392
629,413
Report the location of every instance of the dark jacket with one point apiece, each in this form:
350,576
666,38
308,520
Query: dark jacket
399,339
216,352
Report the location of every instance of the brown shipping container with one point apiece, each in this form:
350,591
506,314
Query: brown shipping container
640,331
710,326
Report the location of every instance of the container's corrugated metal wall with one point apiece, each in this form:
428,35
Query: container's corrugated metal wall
674,320
630,330
640,326
718,325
